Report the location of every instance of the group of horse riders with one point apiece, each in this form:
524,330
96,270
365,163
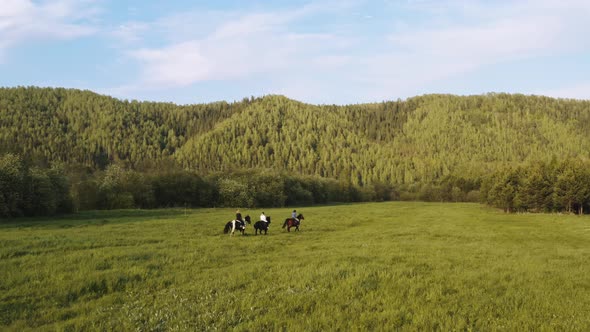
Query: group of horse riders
262,225
263,217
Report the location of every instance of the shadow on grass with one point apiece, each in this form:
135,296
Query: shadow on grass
97,217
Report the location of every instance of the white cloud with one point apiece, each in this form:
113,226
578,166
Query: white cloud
328,61
130,32
492,34
421,57
179,64
495,41
24,20
456,37
234,49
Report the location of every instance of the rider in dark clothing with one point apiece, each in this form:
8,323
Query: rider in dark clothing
239,217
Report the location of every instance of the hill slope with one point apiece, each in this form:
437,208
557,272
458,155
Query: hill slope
83,127
421,139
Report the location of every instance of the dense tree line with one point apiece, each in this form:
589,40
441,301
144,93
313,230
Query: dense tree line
30,191
555,186
433,147
119,188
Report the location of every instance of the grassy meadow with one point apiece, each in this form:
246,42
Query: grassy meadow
378,266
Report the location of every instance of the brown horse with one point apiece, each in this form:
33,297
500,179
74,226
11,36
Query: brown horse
290,222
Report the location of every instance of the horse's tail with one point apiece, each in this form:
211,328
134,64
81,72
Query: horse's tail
286,222
229,227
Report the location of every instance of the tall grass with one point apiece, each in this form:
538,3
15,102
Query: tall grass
379,266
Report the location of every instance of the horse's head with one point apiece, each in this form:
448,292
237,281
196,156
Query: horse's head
268,219
247,218
300,217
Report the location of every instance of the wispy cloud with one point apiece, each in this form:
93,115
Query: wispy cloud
25,20
481,44
441,40
130,32
468,36
236,47
576,91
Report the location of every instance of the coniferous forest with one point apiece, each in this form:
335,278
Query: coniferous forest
65,150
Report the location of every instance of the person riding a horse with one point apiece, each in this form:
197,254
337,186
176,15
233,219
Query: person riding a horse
262,225
294,216
294,221
239,216
232,225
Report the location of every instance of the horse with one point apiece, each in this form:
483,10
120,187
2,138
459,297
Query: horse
262,226
290,222
232,225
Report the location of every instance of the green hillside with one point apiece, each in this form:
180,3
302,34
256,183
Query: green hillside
422,139
83,127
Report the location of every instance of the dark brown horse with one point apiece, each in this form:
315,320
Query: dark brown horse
290,222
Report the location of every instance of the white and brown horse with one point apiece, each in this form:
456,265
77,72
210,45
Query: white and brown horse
240,225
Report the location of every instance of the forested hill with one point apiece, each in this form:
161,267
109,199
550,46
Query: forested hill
83,127
420,139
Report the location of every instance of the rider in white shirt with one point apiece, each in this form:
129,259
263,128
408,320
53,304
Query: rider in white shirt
263,217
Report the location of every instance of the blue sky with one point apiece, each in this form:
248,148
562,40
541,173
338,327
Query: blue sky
317,51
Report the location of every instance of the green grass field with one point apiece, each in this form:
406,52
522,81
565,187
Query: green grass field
380,266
